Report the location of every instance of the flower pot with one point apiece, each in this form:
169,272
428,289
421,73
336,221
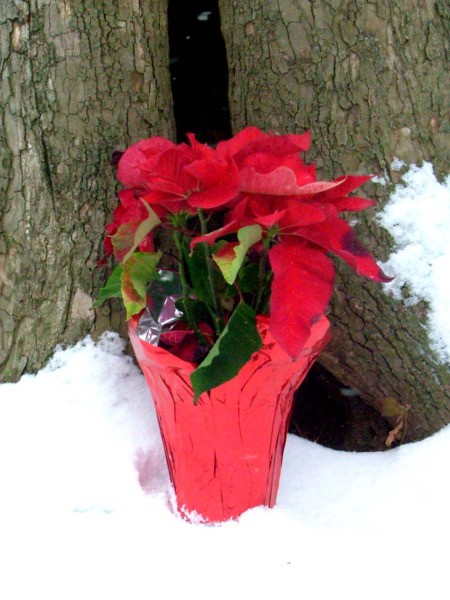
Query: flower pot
224,454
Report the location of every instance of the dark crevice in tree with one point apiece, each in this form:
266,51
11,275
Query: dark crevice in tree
198,68
329,413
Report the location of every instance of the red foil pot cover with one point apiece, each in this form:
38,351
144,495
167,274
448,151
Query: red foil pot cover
224,454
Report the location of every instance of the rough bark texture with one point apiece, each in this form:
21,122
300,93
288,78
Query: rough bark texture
79,79
368,78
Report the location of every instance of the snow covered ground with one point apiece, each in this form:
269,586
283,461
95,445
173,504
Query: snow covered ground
85,506
75,522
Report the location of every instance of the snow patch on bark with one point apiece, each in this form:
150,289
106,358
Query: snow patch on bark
418,218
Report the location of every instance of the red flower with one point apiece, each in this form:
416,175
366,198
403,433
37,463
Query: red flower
253,179
269,164
179,177
130,171
182,341
301,289
218,182
130,210
281,194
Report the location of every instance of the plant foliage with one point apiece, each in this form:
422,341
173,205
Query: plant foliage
252,228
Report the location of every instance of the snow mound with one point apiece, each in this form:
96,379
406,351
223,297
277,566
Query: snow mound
85,504
418,218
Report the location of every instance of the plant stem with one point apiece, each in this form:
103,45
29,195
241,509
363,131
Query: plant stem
218,316
261,276
185,289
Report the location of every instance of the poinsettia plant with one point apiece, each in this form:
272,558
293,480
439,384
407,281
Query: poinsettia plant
252,228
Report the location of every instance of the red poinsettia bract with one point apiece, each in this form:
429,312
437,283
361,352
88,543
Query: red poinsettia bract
253,180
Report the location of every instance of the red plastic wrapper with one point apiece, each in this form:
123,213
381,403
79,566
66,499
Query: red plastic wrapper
225,453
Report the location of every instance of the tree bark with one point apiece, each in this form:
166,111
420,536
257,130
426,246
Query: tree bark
79,79
367,79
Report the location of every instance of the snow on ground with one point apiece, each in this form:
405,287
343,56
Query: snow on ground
76,523
418,218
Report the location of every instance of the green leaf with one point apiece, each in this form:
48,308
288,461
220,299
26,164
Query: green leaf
137,272
235,346
198,274
112,287
130,235
197,309
249,278
230,258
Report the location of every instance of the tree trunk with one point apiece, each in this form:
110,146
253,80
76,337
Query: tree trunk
366,78
79,79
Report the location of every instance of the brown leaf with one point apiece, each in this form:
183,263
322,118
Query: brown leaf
398,433
395,434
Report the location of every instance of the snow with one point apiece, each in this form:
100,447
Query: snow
204,16
85,506
418,218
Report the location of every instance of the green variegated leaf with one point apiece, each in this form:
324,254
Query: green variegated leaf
137,272
112,287
130,235
235,346
230,257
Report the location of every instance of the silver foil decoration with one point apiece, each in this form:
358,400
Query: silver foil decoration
161,318
150,330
